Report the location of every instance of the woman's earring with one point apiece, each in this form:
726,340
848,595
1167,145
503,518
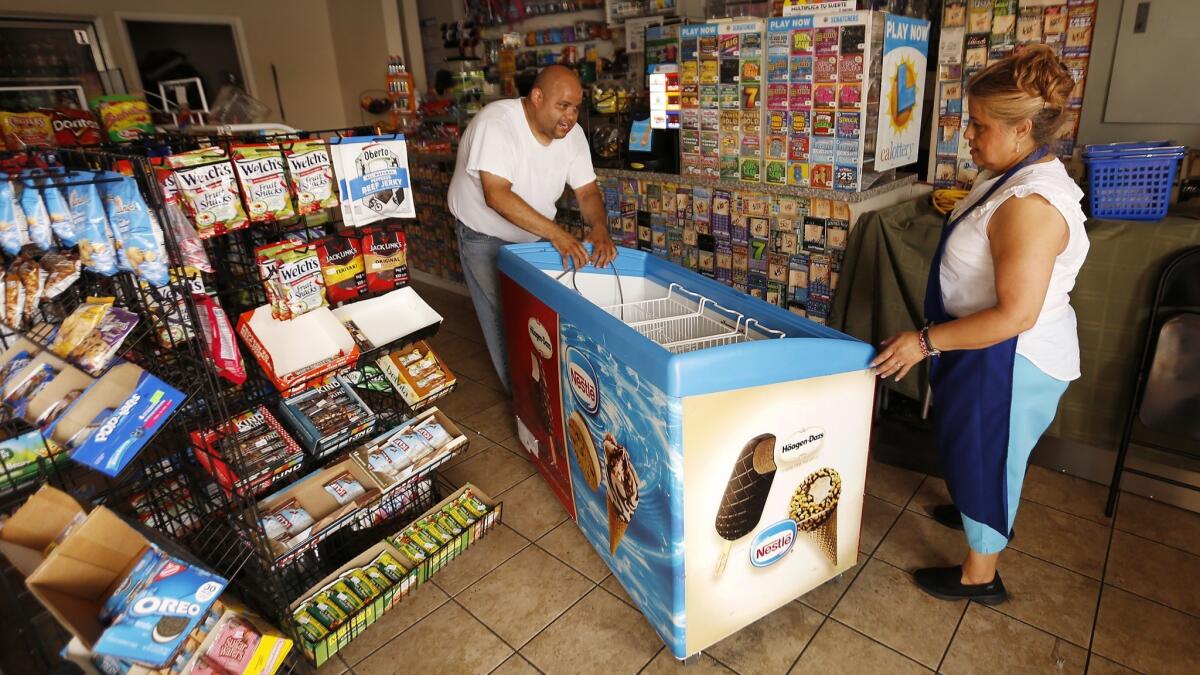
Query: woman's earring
1016,146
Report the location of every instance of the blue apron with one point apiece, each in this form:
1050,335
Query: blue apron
972,392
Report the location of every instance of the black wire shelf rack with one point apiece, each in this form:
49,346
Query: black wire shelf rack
166,487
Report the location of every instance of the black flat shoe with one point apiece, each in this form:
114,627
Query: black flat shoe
947,515
945,583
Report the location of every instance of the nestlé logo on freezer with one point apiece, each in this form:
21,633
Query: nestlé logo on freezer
540,338
773,543
582,378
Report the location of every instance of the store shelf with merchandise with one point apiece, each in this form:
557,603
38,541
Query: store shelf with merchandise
207,496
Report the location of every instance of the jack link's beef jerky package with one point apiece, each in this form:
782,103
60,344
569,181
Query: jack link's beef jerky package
311,176
207,184
342,266
385,251
264,182
372,178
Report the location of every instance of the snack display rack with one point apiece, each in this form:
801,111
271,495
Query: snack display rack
166,486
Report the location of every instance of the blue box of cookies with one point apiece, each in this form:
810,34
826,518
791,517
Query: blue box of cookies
163,602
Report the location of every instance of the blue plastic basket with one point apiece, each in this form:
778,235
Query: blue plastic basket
1131,181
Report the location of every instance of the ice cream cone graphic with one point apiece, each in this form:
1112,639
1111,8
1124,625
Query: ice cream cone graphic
814,508
745,493
623,491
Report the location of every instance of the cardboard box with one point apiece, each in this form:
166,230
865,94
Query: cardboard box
40,522
415,390
269,653
208,450
127,406
341,636
389,317
458,444
309,437
109,665
69,380
327,514
25,459
83,571
296,353
19,401
435,562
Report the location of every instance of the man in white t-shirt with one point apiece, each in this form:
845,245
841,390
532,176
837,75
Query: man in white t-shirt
513,162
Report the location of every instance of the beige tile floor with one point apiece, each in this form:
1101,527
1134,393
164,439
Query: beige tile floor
1087,593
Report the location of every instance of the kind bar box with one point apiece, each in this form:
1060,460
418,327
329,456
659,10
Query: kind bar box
154,612
417,373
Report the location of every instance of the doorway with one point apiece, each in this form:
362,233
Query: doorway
171,51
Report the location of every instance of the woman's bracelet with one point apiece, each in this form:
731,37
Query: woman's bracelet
927,348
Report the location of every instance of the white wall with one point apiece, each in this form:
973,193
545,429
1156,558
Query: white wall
359,32
1092,127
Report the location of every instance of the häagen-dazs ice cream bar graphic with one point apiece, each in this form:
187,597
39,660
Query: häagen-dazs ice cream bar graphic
623,490
545,417
746,493
814,509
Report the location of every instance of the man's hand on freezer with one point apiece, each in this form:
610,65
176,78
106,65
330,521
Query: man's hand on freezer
572,251
603,249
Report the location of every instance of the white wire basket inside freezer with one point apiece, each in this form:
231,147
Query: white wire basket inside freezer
681,324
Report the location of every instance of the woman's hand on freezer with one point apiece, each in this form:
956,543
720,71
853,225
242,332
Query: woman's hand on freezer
572,251
900,353
603,249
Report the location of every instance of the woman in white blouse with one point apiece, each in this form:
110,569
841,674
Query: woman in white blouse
1001,330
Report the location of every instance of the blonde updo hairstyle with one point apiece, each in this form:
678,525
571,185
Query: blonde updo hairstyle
1032,84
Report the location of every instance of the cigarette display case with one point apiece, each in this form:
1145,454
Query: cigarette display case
711,447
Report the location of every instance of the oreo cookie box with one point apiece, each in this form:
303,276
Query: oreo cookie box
120,595
155,608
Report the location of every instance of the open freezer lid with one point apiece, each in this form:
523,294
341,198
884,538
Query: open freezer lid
685,332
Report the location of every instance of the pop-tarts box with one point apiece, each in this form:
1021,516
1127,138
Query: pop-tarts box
124,410
159,615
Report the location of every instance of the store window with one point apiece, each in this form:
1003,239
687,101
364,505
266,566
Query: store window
51,64
175,52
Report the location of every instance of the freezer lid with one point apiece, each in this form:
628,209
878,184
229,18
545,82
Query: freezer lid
810,350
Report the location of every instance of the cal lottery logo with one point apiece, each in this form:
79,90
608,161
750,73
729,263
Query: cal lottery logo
583,382
773,543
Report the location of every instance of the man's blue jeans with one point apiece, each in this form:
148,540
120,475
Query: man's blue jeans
478,254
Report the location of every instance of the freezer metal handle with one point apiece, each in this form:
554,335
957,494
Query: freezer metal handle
763,329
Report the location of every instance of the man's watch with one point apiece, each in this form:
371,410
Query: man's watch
926,345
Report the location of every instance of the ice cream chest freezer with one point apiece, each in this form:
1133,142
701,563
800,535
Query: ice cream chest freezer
710,446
